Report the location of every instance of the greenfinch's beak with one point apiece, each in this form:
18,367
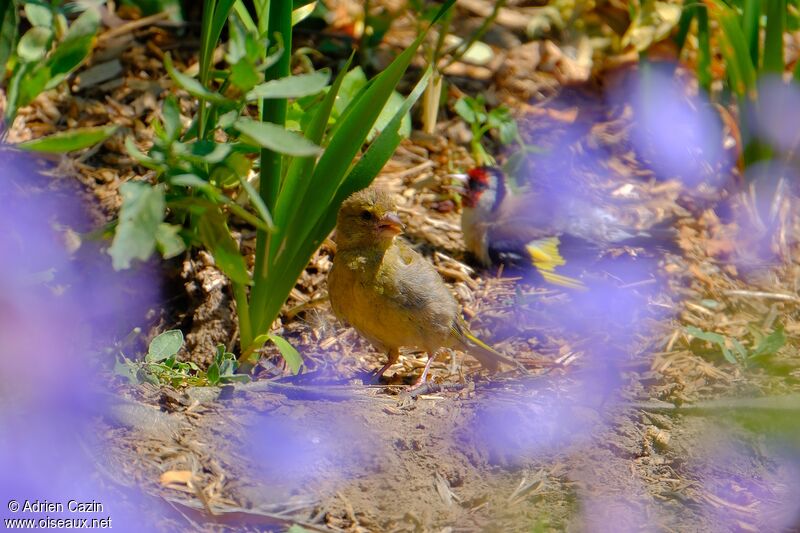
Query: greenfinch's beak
391,222
463,178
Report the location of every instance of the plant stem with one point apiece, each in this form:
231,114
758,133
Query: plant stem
273,110
459,50
243,310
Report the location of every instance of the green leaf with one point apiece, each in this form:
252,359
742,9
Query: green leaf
142,212
70,140
190,180
127,369
39,15
141,158
288,352
353,83
291,86
709,336
769,345
9,31
191,85
33,46
244,75
394,103
168,240
172,118
213,373
274,137
217,238
164,346
741,71
465,111
203,152
74,48
301,13
255,199
773,36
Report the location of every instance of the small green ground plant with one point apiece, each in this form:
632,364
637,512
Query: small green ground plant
43,58
161,366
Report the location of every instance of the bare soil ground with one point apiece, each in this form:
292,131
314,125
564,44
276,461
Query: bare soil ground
624,422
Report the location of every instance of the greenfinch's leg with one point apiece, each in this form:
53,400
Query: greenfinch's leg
421,380
394,353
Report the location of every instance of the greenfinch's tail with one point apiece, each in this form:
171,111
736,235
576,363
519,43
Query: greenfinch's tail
485,354
545,257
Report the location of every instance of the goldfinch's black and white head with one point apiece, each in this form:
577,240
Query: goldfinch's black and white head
484,188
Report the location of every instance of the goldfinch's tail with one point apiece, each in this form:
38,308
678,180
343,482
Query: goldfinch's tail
545,257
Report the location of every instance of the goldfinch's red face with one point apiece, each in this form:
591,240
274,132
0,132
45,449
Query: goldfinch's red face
477,183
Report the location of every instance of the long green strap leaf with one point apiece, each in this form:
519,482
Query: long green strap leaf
297,177
750,18
773,36
350,136
741,72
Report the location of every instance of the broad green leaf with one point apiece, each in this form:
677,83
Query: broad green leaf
465,111
172,118
9,31
33,46
142,158
705,335
203,152
191,85
141,214
33,79
39,15
274,137
354,81
244,75
770,344
213,373
394,103
217,238
168,240
70,140
189,180
164,346
291,86
74,48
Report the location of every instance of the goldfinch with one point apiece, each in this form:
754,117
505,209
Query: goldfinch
534,231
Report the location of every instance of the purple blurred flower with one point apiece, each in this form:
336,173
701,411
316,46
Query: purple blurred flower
678,133
776,118
55,311
293,452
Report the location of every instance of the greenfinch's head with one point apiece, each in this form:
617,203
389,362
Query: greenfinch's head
368,218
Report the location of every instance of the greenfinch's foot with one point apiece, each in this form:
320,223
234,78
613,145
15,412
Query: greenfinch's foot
421,380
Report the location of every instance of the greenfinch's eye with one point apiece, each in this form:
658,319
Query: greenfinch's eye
366,215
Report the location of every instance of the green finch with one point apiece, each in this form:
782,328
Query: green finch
391,294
